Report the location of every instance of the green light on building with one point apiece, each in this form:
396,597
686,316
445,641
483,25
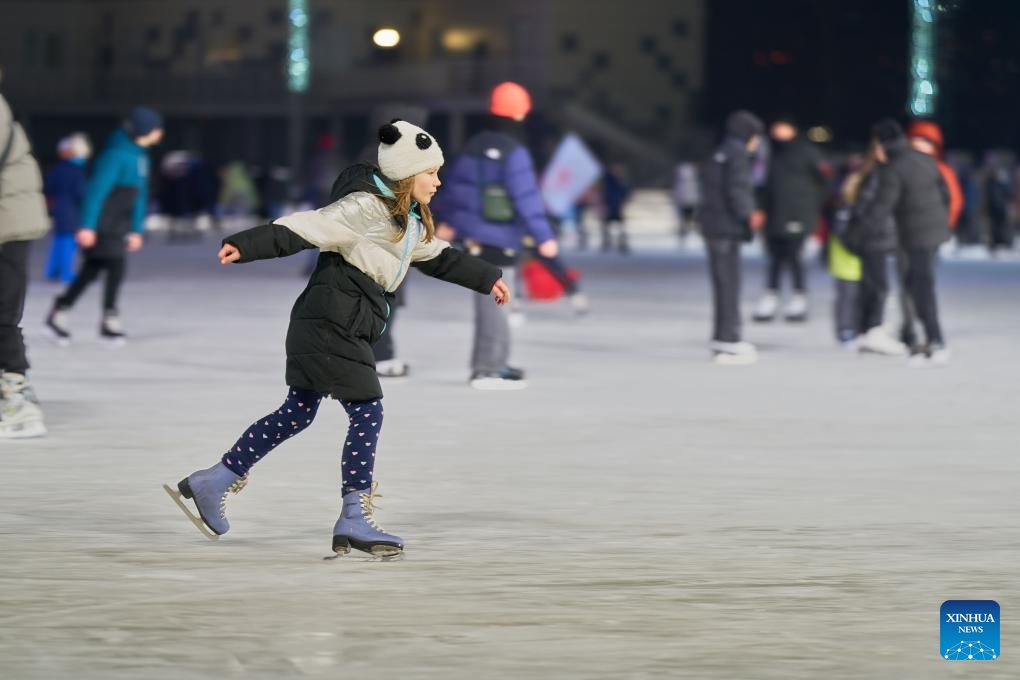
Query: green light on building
298,62
922,59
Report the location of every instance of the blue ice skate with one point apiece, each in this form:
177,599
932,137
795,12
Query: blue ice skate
208,489
357,529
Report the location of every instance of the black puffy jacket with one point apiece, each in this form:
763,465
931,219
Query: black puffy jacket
727,194
342,311
911,190
795,189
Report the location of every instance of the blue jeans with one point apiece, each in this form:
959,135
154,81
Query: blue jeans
60,266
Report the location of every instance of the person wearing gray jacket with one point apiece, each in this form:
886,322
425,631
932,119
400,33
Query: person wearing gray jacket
23,219
727,212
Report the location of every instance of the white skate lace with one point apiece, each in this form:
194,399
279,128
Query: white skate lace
233,488
368,505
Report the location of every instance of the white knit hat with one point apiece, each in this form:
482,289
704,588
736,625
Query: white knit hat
405,150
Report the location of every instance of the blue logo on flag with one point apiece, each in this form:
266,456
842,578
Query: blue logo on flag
970,630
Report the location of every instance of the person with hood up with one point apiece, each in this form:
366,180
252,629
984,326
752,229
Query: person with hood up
376,227
112,222
728,217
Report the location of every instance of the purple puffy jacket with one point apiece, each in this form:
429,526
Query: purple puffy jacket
493,157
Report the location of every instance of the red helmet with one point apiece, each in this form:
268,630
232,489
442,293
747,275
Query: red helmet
510,100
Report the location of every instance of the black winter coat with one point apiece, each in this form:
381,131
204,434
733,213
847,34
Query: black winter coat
727,194
342,312
859,235
795,189
912,191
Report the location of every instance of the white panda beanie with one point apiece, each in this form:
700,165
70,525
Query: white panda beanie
406,149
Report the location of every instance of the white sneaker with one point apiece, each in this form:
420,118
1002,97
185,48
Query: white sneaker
877,341
392,368
939,355
733,353
767,307
20,416
918,360
579,301
796,308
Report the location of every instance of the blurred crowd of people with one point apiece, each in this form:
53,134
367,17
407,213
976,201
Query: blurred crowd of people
888,206
896,203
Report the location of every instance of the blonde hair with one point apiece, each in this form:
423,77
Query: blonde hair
853,183
401,209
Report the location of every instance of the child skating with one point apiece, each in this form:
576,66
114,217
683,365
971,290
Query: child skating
377,224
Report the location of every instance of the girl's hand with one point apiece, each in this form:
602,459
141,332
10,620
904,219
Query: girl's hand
229,253
134,242
501,292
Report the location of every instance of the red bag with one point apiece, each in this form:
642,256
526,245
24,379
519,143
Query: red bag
539,282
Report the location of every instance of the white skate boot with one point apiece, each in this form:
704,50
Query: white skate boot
767,307
797,308
733,353
20,415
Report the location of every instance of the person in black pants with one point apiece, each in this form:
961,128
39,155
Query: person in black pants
112,217
727,213
912,192
22,219
792,201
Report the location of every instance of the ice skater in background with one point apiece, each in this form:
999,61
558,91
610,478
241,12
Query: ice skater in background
728,216
377,226
65,192
112,222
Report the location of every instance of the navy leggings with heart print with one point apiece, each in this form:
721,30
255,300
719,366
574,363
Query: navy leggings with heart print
297,412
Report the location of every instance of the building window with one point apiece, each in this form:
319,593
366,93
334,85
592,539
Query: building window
53,55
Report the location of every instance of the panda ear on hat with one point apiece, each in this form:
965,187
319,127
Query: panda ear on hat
390,133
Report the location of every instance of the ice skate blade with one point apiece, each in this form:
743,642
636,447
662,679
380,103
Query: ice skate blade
197,521
30,429
365,557
342,546
112,343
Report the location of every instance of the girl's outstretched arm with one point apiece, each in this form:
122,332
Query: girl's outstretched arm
440,261
263,242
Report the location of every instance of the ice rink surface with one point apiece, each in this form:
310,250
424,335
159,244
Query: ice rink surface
637,513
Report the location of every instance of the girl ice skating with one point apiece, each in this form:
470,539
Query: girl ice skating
377,224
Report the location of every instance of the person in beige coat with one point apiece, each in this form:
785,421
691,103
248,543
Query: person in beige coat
22,220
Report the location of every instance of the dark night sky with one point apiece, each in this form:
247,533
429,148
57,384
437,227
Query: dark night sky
844,64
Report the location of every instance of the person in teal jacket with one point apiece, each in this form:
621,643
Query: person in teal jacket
112,221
